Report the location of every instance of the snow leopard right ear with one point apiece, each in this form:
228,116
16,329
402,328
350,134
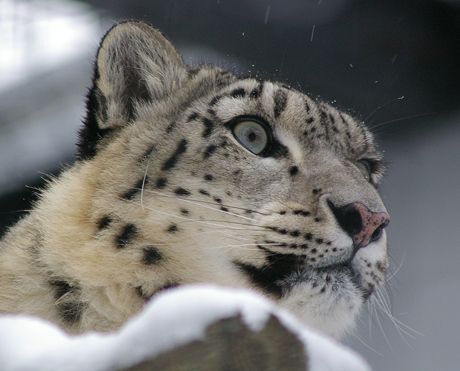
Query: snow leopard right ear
135,64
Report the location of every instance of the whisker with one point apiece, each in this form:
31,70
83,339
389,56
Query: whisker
401,119
213,223
143,185
199,202
214,203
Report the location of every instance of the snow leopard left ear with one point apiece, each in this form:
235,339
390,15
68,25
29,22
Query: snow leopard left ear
135,64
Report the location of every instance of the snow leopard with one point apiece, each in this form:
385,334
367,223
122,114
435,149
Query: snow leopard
192,174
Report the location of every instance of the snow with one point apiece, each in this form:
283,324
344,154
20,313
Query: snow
174,318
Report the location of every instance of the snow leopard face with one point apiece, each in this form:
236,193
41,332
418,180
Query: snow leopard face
193,175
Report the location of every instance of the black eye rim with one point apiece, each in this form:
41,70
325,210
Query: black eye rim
268,131
369,164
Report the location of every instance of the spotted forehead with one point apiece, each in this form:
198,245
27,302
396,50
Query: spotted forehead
294,116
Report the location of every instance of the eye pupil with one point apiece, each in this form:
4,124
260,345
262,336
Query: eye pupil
252,135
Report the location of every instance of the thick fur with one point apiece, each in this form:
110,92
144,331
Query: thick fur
163,194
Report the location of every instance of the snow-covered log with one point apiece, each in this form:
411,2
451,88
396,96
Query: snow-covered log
196,327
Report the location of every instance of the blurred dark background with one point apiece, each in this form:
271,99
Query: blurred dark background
395,64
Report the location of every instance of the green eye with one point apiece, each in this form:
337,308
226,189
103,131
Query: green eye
365,168
252,135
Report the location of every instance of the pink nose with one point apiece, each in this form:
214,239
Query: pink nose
372,225
362,225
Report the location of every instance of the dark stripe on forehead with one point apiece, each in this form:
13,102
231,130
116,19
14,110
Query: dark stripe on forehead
238,93
257,92
208,124
172,161
280,102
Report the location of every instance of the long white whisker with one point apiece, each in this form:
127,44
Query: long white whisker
143,186
199,203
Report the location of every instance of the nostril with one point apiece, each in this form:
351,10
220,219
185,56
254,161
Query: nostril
348,217
378,232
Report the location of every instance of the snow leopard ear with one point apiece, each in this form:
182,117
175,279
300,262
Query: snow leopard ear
135,64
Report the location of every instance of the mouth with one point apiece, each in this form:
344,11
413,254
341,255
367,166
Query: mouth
286,271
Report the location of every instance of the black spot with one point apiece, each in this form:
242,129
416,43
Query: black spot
170,127
181,192
151,255
128,233
184,211
283,212
208,177
301,212
268,276
161,183
308,236
323,117
173,228
193,117
67,301
282,231
140,291
61,288
319,240
148,153
312,130
193,71
295,233
209,150
238,93
293,170
316,191
218,200
104,222
215,100
317,220
208,124
280,100
307,107
180,150
203,192
130,194
381,267
256,92
224,208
